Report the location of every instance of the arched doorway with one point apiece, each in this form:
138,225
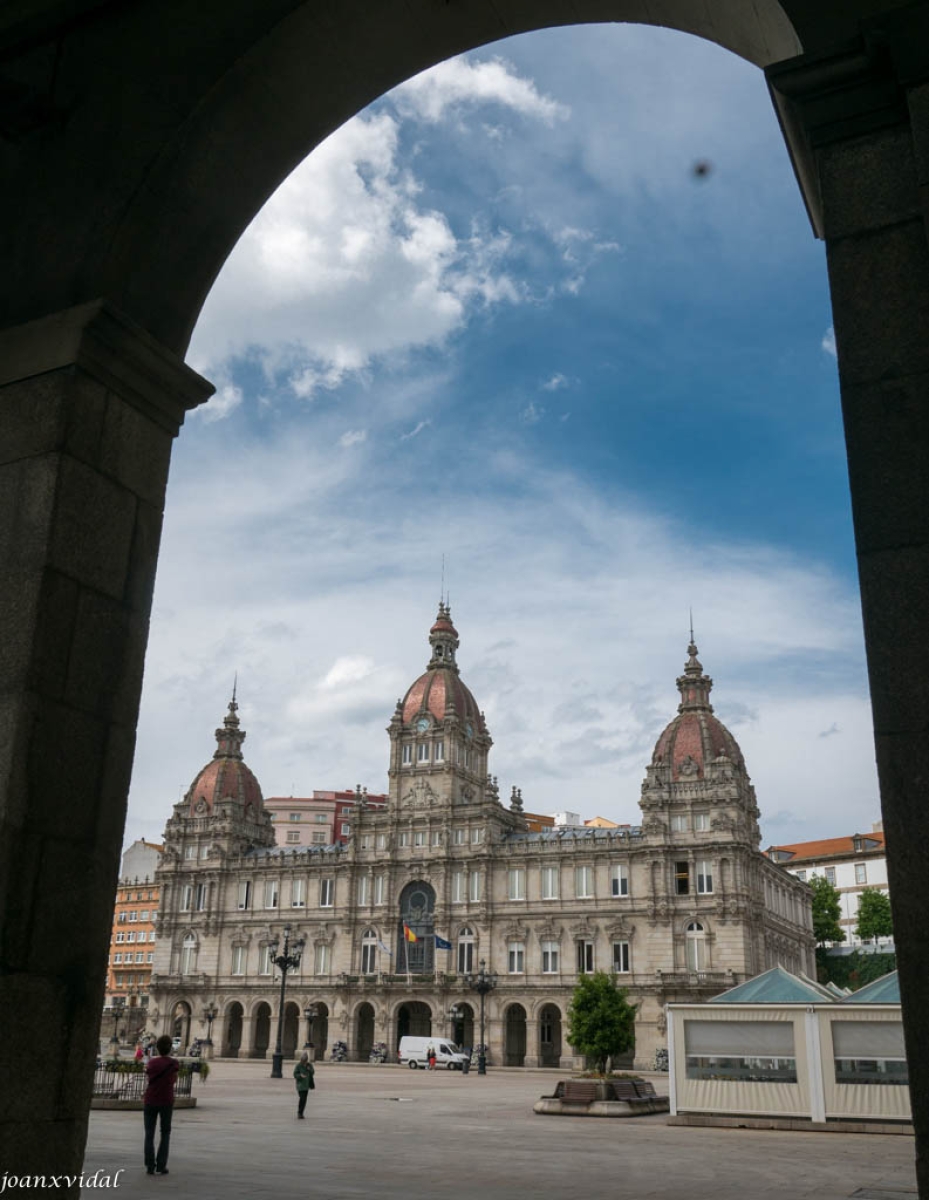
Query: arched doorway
414,1019
262,1030
320,1031
290,1036
364,1031
514,1045
180,1024
463,1024
550,1036
232,1040
417,915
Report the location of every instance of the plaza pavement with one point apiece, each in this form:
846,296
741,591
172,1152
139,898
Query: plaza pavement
390,1133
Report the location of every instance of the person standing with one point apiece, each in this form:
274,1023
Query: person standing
158,1105
139,1052
303,1075
430,1055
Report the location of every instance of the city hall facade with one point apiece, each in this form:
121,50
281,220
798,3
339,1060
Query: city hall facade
680,908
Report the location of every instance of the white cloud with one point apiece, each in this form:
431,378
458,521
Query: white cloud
532,413
415,431
352,437
349,669
828,342
460,82
555,383
225,400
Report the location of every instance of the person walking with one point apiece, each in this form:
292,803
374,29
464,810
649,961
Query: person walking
139,1052
303,1075
430,1055
158,1105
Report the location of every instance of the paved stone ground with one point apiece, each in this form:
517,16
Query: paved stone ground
390,1133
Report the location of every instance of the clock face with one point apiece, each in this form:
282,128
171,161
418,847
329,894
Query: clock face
422,724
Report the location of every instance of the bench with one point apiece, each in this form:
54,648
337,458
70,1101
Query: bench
586,1091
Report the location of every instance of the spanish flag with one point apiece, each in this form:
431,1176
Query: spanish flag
409,934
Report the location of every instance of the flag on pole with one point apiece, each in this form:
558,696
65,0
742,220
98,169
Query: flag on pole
441,943
388,952
409,934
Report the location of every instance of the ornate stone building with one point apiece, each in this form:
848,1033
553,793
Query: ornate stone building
681,908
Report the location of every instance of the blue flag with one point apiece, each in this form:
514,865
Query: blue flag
388,952
441,943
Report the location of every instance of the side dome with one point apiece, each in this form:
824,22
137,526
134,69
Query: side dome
227,775
439,692
695,737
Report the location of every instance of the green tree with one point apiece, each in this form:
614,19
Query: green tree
601,1021
827,909
874,919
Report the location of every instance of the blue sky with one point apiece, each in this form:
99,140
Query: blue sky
497,316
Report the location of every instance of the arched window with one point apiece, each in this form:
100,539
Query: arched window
696,947
189,955
368,952
465,951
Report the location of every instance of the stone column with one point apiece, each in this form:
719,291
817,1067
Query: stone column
858,127
89,404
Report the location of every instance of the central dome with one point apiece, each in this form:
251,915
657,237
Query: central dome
227,775
695,737
439,692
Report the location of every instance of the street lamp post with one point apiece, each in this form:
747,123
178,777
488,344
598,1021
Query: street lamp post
310,1012
119,1007
287,960
210,1014
483,982
454,1015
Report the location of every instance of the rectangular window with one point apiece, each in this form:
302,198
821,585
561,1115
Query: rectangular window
701,822
869,1052
265,964
320,818
678,823
403,839
130,936
516,883
238,960
458,836
143,915
346,829
140,956
704,876
437,837
151,935
422,752
200,897
134,916
515,958
368,958
407,755
293,837
122,918
549,958
120,937
477,836
363,889
619,880
753,1051
550,883
321,960
621,958
380,889
419,837
298,893
681,878
465,957
583,882
187,897
326,890
861,876
380,842
295,816
271,893
319,839
204,852
440,752
150,956
366,841
458,887
801,875
474,886
117,958
190,851
830,875
585,958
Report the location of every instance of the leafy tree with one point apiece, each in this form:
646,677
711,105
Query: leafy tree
874,919
827,909
601,1021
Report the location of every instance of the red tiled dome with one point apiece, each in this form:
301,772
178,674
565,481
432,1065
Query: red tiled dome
227,775
695,737
439,690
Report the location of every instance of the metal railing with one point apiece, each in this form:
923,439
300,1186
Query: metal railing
123,1084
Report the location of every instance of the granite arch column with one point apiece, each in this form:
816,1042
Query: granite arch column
89,405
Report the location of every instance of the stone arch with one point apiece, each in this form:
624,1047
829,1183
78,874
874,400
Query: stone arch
233,1019
463,1025
261,1029
290,1032
514,1036
180,1022
550,1034
363,1028
412,1017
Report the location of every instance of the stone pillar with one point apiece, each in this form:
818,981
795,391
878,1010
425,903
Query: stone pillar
858,127
532,1058
89,404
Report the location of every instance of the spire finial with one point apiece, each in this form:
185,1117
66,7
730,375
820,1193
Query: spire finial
442,587
235,684
691,626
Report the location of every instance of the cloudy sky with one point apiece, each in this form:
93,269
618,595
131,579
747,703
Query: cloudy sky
499,317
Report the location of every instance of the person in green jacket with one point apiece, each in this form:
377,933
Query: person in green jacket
303,1074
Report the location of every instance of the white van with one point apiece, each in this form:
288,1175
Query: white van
414,1053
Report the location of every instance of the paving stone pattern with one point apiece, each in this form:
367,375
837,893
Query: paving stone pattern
390,1133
